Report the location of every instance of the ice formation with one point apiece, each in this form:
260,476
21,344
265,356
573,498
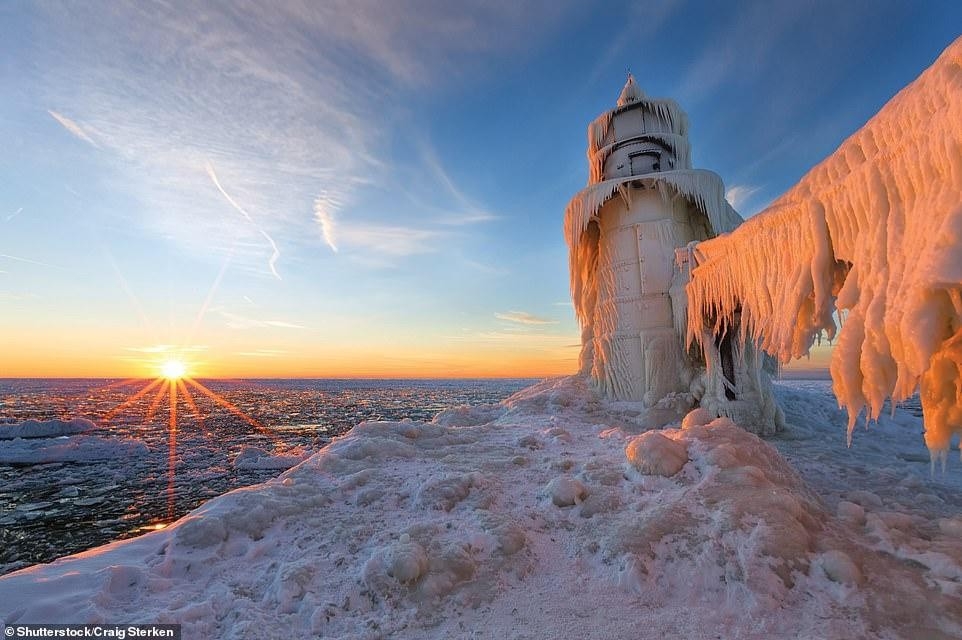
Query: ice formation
643,204
79,449
45,428
875,231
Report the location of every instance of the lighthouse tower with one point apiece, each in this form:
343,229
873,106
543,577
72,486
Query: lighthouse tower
628,233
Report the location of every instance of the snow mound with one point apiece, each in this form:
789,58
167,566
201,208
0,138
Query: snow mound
652,453
45,428
565,491
874,230
465,416
840,568
696,418
78,449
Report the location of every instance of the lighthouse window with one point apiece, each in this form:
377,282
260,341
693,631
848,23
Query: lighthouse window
647,162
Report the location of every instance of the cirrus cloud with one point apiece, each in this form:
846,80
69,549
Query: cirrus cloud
523,317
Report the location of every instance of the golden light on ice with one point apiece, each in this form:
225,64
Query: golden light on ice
173,369
175,384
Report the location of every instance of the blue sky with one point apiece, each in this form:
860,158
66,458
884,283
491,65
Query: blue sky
363,188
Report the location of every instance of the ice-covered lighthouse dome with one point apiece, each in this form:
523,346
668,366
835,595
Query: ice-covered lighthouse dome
643,202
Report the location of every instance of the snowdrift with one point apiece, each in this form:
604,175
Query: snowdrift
546,516
876,231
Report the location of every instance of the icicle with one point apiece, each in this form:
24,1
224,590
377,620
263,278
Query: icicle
702,188
882,216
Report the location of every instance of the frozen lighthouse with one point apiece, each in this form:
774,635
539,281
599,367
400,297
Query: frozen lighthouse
629,232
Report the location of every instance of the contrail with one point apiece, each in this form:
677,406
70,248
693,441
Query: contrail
28,261
14,214
72,127
271,263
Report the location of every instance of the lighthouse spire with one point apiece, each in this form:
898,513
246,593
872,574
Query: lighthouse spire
631,92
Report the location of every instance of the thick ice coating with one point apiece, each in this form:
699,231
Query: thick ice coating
627,232
875,230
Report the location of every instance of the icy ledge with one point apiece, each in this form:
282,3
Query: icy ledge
546,514
876,231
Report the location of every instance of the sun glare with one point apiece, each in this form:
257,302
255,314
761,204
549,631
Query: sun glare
175,383
173,369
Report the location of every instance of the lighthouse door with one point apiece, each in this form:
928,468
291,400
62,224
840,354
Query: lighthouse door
656,250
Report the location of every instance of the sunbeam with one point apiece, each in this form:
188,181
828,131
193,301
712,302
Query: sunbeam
174,385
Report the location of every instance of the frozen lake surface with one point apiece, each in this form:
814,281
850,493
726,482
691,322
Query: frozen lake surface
112,491
552,514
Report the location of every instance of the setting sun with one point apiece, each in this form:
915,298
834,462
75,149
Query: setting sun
173,369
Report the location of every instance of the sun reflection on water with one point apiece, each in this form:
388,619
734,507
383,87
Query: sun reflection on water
175,386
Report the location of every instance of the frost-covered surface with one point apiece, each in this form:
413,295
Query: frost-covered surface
78,449
701,187
876,230
643,201
45,428
531,522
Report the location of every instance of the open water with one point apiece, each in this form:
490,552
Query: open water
52,510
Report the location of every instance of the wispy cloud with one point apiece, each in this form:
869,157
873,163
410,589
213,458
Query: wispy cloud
237,321
324,214
272,261
523,317
29,261
281,324
9,295
14,214
288,101
383,241
471,217
521,341
72,127
486,268
640,21
261,353
168,348
740,47
739,195
466,211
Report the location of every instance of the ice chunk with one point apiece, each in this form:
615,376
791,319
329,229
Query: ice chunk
566,491
46,428
80,449
254,458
